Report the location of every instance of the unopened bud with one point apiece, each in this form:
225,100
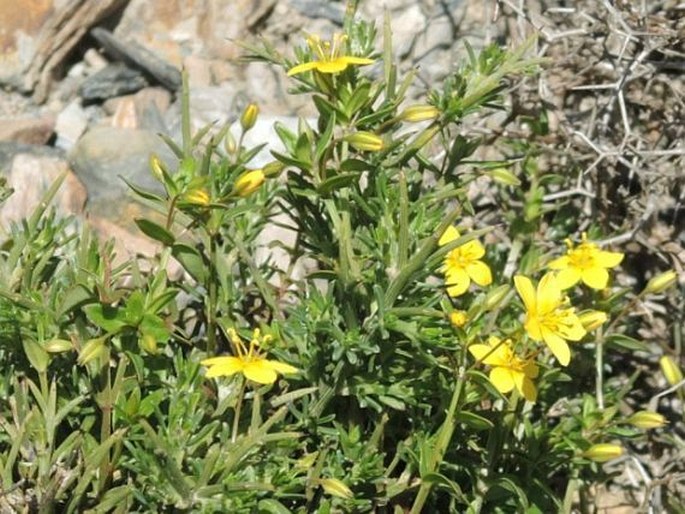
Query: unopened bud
592,319
365,141
336,487
495,296
417,113
273,169
646,420
458,318
248,182
91,350
504,176
603,452
157,167
661,282
148,343
58,346
671,370
230,144
249,117
197,197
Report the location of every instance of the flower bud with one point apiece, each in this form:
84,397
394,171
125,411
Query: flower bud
416,113
495,296
504,176
249,117
365,141
592,320
148,343
661,282
248,182
157,167
646,420
458,318
230,144
603,452
273,168
424,137
197,197
671,371
336,487
58,346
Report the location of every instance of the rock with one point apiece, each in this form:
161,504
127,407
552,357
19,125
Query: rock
20,29
106,155
136,56
35,129
31,176
114,80
145,109
316,9
125,115
71,123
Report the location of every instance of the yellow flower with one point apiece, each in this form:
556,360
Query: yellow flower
459,318
248,182
463,264
586,262
329,58
247,361
547,317
603,452
508,370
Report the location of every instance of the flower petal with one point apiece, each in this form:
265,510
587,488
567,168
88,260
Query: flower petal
281,367
479,273
608,259
531,369
502,379
526,291
596,278
479,351
558,346
548,294
227,367
527,388
360,61
571,328
301,68
533,327
559,263
472,250
457,281
259,371
448,236
568,277
334,66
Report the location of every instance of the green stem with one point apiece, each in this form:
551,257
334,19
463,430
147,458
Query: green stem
211,285
236,414
442,442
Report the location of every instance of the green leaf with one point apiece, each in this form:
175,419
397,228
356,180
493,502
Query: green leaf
271,506
36,354
191,260
627,343
337,182
155,326
110,319
73,297
475,421
441,480
155,231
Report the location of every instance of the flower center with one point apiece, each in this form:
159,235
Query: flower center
583,257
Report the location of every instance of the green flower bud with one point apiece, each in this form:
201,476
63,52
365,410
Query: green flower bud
646,420
365,141
661,282
249,117
603,452
248,182
671,371
416,113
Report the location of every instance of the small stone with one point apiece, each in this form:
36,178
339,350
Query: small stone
125,115
71,123
114,80
28,129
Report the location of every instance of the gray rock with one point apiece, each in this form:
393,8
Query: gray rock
317,9
114,80
139,57
106,155
71,124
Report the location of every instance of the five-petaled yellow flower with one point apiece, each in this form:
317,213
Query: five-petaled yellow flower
329,58
548,318
508,370
247,361
463,264
585,262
